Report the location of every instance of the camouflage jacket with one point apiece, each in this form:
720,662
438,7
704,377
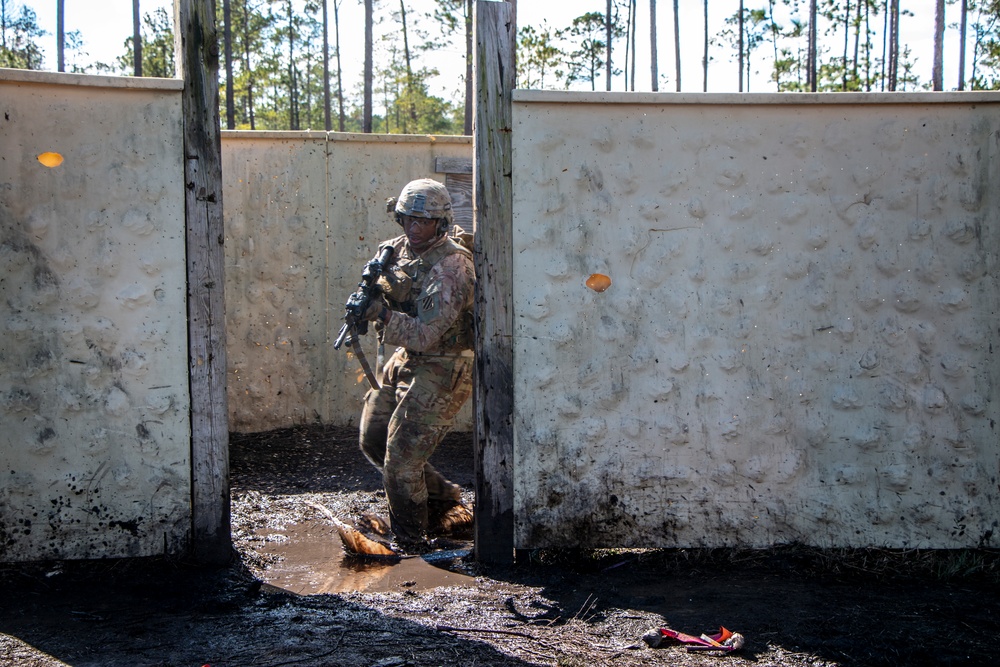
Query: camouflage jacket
431,295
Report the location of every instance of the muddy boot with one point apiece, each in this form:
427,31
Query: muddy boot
452,518
374,523
413,546
428,545
359,545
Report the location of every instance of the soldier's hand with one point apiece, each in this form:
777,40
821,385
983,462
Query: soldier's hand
377,311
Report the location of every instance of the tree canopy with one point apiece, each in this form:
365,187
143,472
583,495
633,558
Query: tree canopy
284,62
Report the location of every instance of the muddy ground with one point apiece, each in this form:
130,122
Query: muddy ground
797,607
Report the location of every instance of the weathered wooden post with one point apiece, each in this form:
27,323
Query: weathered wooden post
197,57
492,220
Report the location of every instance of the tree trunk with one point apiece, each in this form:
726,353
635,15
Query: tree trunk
847,43
677,46
893,44
961,45
740,47
937,71
246,64
60,35
704,57
774,44
409,69
857,44
340,71
366,121
976,44
308,89
327,120
634,19
136,39
607,59
293,88
885,47
654,74
227,16
868,47
628,42
467,129
811,56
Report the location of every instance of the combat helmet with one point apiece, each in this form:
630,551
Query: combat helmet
424,198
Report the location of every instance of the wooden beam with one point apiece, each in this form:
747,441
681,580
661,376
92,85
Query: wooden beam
460,188
453,165
197,57
493,393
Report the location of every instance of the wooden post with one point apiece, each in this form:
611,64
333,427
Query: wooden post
492,199
197,57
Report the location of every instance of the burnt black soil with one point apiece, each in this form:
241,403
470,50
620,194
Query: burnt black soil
795,606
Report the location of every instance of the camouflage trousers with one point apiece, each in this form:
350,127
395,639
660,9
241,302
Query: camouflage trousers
403,423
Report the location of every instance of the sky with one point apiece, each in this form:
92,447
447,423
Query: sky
105,24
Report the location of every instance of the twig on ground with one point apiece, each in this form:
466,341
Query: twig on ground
451,628
588,605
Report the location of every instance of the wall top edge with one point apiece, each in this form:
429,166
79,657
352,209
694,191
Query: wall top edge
297,135
88,80
577,97
347,136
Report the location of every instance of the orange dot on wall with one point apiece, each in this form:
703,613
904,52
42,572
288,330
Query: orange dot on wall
50,160
598,282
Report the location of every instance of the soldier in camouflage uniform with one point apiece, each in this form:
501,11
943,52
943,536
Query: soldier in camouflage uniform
426,311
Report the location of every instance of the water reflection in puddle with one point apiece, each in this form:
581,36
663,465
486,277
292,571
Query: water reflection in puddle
311,561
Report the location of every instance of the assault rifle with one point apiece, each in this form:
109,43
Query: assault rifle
355,324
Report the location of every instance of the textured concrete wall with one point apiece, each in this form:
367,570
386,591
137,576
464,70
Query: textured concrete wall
304,212
797,343
94,403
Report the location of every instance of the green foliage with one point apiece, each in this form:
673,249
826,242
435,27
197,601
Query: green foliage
538,55
450,15
402,87
414,110
252,63
277,58
585,63
18,32
758,26
157,33
984,18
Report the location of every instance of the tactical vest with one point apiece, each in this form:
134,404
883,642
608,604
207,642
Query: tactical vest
403,282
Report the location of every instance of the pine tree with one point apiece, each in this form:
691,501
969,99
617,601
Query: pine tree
18,32
454,16
157,33
587,59
538,55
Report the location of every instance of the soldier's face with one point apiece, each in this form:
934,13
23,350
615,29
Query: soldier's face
420,232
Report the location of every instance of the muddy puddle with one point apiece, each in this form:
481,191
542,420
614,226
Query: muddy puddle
310,560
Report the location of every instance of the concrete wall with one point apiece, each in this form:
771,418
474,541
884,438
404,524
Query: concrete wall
94,402
797,344
95,445
304,212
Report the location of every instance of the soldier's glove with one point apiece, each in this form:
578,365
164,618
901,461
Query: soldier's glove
377,311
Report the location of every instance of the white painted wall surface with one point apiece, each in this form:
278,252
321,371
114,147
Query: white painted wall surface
94,401
797,345
303,213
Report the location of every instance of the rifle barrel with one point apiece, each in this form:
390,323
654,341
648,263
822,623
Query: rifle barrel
340,337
